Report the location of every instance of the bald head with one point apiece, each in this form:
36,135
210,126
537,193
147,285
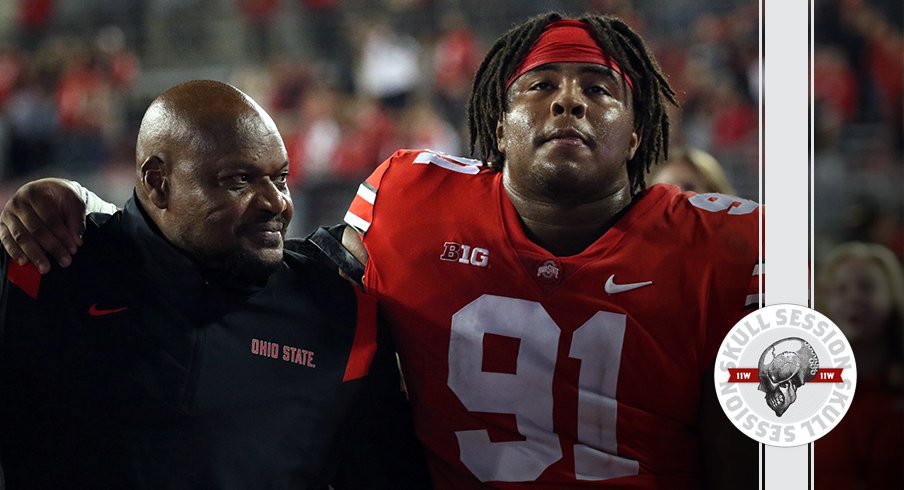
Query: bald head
196,117
212,175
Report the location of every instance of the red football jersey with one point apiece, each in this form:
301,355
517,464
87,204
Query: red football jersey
530,370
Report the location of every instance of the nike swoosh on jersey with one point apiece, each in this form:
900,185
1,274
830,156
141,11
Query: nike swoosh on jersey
95,311
613,288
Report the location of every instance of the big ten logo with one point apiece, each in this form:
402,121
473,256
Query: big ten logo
465,254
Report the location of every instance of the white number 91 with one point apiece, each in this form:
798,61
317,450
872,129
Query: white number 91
528,393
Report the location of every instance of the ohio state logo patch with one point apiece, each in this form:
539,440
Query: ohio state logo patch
785,375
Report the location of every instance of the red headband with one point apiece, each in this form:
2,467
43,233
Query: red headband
563,41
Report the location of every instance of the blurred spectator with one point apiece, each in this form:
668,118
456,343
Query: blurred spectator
258,16
325,24
85,112
12,63
121,65
884,58
692,170
715,74
421,126
289,82
623,9
122,70
368,135
835,85
34,18
313,146
859,137
183,29
872,43
31,115
455,59
861,288
734,118
388,65
870,217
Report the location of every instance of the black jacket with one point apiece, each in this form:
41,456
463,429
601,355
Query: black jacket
131,369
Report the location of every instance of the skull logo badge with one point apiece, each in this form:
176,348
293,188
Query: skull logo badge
784,367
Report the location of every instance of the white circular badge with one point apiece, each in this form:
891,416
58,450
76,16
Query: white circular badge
785,375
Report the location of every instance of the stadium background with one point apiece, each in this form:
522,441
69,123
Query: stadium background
350,81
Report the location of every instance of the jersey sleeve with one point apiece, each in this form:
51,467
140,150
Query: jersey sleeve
731,255
325,245
756,287
398,200
380,450
361,212
737,286
93,202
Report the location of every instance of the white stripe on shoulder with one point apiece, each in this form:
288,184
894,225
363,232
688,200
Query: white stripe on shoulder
753,299
759,269
356,222
367,194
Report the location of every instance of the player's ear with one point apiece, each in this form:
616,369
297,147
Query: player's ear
500,144
635,142
154,182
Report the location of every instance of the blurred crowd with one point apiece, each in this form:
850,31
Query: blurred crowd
858,94
859,133
347,82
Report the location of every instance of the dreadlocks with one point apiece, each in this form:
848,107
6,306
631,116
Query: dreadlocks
651,89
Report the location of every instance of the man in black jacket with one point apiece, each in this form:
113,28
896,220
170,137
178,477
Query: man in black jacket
186,347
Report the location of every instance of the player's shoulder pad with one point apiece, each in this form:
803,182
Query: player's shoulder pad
415,162
453,163
324,246
407,168
407,160
327,241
